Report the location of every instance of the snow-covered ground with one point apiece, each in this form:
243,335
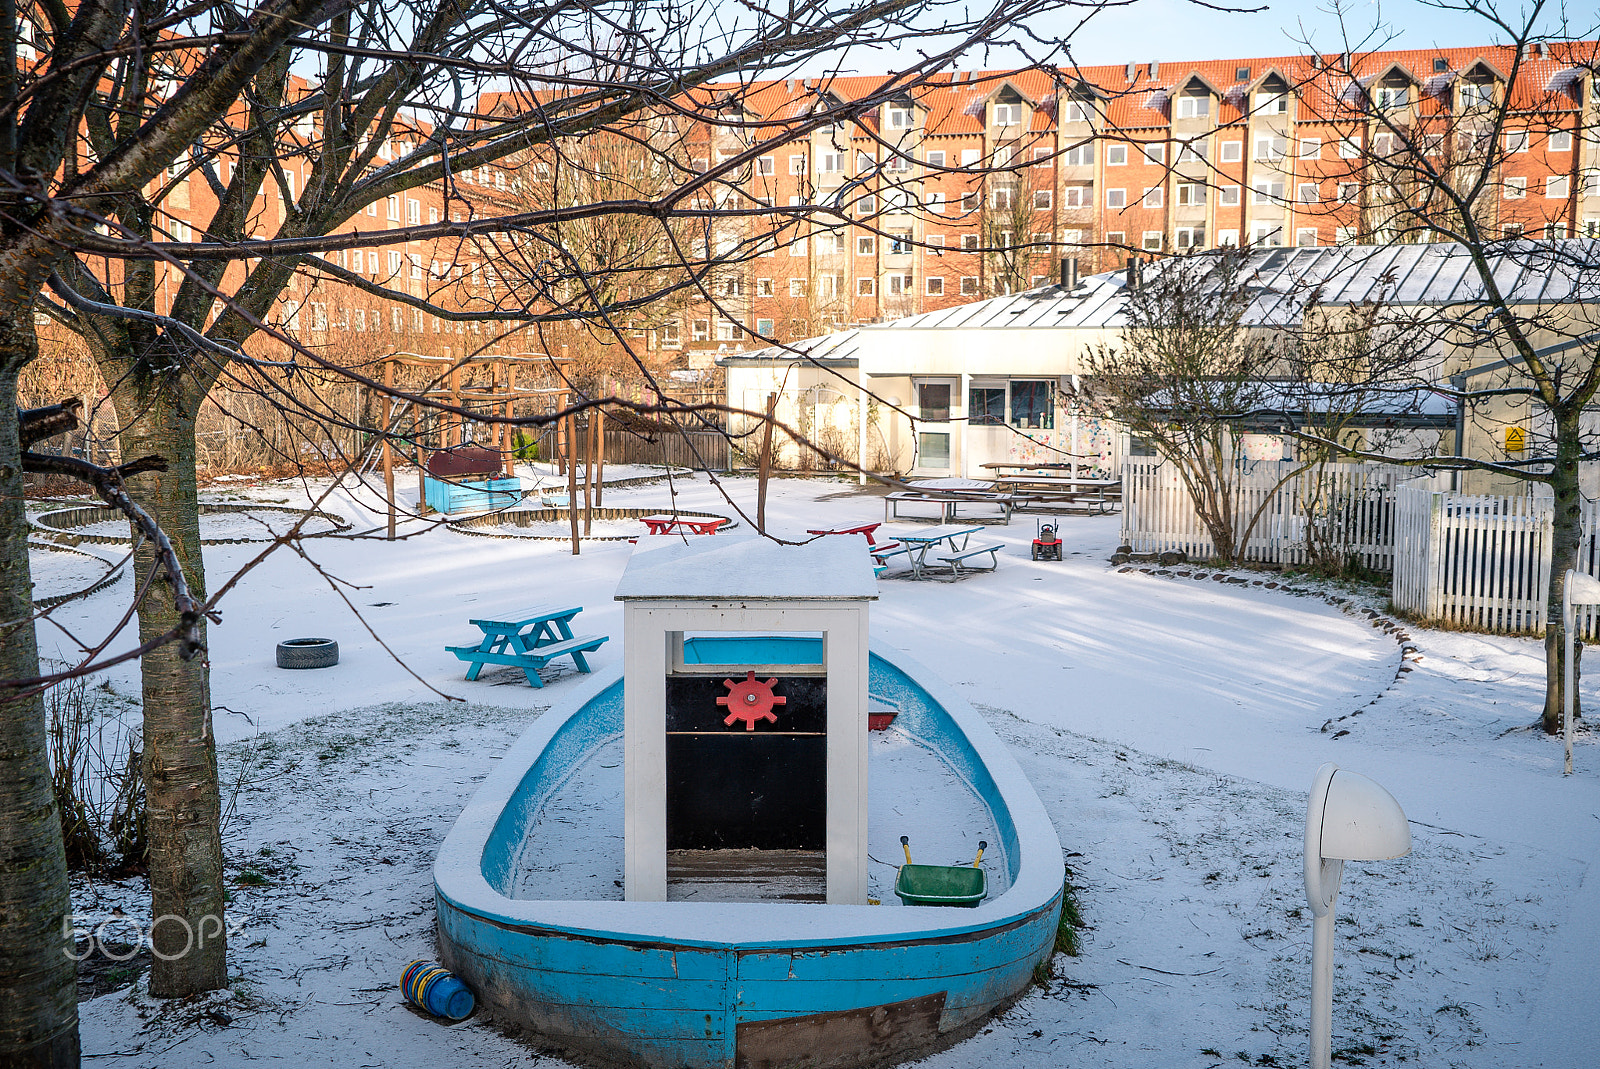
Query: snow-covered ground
1170,722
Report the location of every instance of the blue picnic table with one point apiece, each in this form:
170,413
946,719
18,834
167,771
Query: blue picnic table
529,639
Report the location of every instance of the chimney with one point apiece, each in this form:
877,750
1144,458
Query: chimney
1069,273
1133,72
1133,272
1155,70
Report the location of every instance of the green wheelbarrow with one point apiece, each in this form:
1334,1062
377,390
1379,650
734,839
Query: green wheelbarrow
941,885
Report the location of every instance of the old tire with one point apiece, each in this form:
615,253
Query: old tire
308,653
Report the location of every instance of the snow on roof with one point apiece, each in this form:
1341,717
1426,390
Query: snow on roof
1526,272
721,567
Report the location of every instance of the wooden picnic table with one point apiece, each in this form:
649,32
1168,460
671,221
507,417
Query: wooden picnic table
666,523
917,544
860,529
529,639
949,494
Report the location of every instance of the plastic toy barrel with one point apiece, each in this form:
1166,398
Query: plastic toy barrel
941,885
429,985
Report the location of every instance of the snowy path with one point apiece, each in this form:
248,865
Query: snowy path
1171,726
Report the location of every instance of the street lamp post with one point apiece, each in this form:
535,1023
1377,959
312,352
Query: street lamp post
1348,818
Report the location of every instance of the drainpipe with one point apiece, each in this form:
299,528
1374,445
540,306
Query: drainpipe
1458,382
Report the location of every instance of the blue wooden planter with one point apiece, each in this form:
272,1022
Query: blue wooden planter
470,494
714,985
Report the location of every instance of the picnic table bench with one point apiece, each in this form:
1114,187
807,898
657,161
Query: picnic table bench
529,639
668,523
860,529
1065,493
918,545
949,501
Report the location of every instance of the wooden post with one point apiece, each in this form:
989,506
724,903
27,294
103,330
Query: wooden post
765,465
384,425
508,434
588,478
455,427
561,440
572,477
600,455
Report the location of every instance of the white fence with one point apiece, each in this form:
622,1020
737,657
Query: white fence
1347,506
1481,561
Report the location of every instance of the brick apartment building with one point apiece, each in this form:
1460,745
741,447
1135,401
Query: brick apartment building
976,184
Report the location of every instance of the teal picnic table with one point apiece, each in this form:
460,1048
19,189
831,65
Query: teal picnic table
529,639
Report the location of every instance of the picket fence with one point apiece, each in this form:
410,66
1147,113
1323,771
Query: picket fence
1350,506
1482,561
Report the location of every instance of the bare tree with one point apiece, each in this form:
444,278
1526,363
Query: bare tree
1208,355
1443,160
168,306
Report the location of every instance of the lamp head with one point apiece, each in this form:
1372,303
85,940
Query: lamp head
1348,818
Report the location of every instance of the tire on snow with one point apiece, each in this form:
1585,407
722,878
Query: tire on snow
308,653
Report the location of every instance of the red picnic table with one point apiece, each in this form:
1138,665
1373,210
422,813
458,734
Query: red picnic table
666,524
860,529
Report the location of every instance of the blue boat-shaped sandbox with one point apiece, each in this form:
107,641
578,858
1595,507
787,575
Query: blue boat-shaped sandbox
723,984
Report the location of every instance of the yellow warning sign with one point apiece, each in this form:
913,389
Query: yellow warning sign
1516,439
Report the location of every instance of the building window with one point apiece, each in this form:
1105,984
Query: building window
1153,197
969,285
969,243
1231,151
1306,237
413,212
1155,153
1008,114
864,245
1556,231
797,165
1031,405
1227,237
1556,186
670,338
1116,198
933,401
1516,141
416,264
986,406
700,330
971,200
934,285
1267,234
900,118
1561,141
1311,148
394,207
1116,155
1043,200
933,449
1151,241
1194,106
828,286
1348,192
1079,155
935,201
1272,102
969,157
1191,237
899,242
936,159
864,287
1475,94
830,162
1228,196
1077,196
797,287
1271,148
766,165
728,330
1193,151
1266,191
1516,188
1116,237
1345,235
764,327
1308,193
900,285
1191,194
763,287
1349,148
1511,230
1000,197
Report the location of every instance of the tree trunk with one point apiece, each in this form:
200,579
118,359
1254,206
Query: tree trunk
1566,531
182,800
38,977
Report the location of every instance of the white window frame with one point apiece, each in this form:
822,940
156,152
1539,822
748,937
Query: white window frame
1230,152
1515,188
1152,240
1116,155
1557,187
1116,199
933,285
